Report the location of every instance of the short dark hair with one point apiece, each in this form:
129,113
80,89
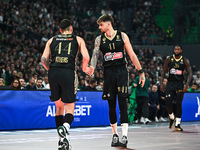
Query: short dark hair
39,79
93,81
178,45
65,24
106,17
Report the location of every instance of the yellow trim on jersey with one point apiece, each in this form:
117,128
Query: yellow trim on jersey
177,59
110,38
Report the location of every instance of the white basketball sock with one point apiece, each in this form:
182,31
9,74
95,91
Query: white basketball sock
178,121
67,126
124,129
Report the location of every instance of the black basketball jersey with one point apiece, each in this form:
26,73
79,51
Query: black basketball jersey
64,50
113,50
176,69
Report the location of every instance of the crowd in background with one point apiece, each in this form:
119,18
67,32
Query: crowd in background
27,25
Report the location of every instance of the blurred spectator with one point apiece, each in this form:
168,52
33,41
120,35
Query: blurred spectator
142,98
7,74
193,88
197,80
87,80
2,82
169,35
12,77
131,78
45,82
38,85
15,85
19,75
81,84
92,86
22,82
99,87
163,110
31,84
132,104
154,105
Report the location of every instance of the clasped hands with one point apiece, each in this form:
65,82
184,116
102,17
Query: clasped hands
89,70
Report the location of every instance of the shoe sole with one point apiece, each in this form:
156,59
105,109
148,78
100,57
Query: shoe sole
177,129
61,131
123,145
114,145
65,144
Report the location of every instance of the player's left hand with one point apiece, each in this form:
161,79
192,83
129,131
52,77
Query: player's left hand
142,79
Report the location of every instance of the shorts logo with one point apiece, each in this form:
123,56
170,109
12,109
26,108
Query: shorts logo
175,71
113,56
168,95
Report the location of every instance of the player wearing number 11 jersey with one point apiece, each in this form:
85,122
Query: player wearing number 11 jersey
62,50
113,45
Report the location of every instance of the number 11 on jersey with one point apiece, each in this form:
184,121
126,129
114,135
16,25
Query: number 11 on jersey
112,46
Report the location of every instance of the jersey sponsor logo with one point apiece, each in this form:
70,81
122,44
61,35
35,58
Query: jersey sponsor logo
61,39
51,111
64,39
80,110
175,71
113,56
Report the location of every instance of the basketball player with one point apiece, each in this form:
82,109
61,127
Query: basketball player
112,44
63,49
176,65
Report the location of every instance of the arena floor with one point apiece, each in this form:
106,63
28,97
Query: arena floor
154,136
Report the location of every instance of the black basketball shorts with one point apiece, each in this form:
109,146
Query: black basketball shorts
115,82
173,88
63,84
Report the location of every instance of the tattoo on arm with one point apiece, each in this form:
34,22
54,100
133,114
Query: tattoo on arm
45,63
123,36
95,52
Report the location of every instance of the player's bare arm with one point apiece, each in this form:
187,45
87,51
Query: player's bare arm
133,57
189,71
84,52
95,53
46,55
165,68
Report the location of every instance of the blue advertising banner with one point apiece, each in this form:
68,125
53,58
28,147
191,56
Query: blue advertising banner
34,110
191,107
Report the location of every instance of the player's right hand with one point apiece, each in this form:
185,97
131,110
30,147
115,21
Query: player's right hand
142,79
